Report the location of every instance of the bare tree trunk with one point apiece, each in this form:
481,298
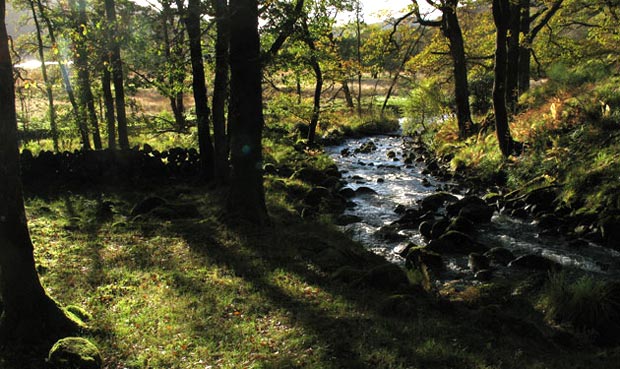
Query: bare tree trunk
512,74
246,199
87,104
452,30
347,94
117,75
220,90
29,314
318,87
178,74
80,123
48,83
358,47
524,49
108,101
192,24
501,17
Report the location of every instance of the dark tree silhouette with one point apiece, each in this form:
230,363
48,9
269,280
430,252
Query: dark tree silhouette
117,74
501,17
220,89
247,197
191,18
318,75
29,314
451,29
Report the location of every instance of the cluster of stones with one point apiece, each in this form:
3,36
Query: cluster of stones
449,224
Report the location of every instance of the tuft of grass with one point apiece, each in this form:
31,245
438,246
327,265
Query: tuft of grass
586,303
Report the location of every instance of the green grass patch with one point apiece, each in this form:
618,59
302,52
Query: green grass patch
196,293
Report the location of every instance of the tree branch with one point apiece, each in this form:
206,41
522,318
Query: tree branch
287,29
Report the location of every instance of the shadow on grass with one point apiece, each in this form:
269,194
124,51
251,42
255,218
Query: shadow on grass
286,271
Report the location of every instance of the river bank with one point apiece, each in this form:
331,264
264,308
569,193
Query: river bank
453,234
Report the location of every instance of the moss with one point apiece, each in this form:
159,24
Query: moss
74,353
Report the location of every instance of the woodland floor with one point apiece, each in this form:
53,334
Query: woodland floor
194,292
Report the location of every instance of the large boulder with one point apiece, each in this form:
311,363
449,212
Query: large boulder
388,277
535,262
472,208
74,353
418,257
147,205
610,231
454,242
462,224
315,195
500,255
435,201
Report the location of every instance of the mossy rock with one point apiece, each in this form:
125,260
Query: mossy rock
400,306
386,277
147,205
79,312
454,242
74,353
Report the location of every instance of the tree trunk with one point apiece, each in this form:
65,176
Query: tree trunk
220,90
192,25
524,48
177,75
358,47
108,101
347,94
29,314
48,84
117,75
512,74
318,87
501,17
87,101
246,199
452,30
80,123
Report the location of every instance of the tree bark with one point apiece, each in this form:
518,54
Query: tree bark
530,33
80,123
452,30
29,314
177,75
347,94
524,48
192,24
318,87
512,42
87,101
48,84
501,17
117,75
220,90
246,198
108,101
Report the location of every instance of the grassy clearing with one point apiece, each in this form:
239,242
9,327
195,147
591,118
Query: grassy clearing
197,293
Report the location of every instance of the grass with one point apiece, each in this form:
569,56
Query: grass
200,293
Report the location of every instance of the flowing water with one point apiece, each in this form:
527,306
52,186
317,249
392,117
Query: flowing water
398,184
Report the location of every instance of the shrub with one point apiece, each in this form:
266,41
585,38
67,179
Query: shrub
587,304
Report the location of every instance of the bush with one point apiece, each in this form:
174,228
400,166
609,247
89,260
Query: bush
426,104
587,304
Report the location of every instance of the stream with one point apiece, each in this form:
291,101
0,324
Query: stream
398,184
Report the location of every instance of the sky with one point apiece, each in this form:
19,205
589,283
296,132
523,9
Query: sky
374,10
